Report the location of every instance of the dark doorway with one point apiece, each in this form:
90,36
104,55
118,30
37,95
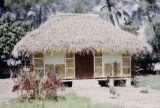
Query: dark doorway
84,66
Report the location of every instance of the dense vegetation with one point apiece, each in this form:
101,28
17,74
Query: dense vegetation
130,15
11,31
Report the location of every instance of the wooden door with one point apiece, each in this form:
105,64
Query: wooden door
84,66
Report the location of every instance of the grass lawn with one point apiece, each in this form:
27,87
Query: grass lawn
67,101
153,81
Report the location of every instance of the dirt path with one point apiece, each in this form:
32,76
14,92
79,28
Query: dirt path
6,93
129,97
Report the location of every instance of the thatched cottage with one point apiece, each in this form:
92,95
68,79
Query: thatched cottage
82,46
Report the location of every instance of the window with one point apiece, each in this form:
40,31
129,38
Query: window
108,69
49,68
61,70
58,68
98,64
117,69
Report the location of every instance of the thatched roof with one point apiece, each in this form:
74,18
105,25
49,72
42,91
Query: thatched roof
79,33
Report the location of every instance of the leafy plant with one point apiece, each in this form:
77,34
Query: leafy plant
113,91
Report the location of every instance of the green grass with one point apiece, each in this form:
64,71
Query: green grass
153,81
67,101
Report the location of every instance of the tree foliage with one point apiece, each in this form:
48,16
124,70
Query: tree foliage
10,33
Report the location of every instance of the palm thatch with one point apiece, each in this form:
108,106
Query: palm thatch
79,33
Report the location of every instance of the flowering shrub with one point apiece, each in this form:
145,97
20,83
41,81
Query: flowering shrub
51,85
31,86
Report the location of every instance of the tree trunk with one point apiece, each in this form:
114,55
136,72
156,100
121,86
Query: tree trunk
109,5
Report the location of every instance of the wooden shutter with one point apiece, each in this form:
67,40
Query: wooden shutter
98,64
38,63
126,63
70,65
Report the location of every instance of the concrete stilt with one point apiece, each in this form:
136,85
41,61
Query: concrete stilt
128,82
111,82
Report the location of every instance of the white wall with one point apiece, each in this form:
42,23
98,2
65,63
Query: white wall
55,58
108,58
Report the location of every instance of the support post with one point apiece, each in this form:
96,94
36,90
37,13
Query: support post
128,82
111,82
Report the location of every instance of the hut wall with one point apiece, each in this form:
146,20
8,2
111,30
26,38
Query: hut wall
105,64
49,62
56,58
112,64
61,63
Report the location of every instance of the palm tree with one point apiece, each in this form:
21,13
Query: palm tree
113,12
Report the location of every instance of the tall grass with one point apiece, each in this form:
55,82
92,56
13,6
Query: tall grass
152,81
67,101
